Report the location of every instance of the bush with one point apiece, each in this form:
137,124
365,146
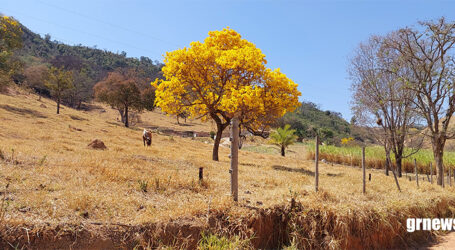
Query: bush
212,242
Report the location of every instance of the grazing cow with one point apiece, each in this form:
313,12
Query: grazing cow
147,137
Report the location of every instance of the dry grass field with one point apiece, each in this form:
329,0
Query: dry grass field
55,179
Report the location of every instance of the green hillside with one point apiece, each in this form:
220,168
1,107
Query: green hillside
90,64
308,120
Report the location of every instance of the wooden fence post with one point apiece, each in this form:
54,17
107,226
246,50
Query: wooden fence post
363,168
316,160
369,176
450,177
443,176
417,173
235,158
431,173
428,178
201,174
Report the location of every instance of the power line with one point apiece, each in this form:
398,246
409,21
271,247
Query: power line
82,31
104,22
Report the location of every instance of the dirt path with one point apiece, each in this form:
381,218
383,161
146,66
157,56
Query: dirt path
445,242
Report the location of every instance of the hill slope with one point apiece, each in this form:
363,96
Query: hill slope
98,61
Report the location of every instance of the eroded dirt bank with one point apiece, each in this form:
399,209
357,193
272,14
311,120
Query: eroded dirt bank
266,228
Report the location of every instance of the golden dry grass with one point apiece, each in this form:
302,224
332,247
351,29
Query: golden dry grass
55,178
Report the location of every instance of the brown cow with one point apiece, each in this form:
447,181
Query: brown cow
147,137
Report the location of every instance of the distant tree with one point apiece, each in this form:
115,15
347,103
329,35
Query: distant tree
224,77
47,38
68,62
429,51
58,81
326,135
10,39
82,91
35,77
353,121
120,90
283,137
148,98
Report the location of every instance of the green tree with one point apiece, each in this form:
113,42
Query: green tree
283,137
82,91
148,98
58,81
326,135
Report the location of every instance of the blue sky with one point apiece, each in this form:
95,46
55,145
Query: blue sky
310,41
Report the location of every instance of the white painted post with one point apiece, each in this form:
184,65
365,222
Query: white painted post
235,158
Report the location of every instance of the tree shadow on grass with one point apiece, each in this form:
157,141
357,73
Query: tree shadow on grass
295,170
185,124
23,111
335,175
302,171
250,165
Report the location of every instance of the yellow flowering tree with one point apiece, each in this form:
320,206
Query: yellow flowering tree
346,141
10,39
223,77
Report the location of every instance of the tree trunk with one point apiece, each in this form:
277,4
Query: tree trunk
398,162
58,105
282,151
122,115
126,117
438,156
240,138
438,153
396,180
387,161
216,145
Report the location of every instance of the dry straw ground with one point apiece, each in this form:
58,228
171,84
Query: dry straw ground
54,178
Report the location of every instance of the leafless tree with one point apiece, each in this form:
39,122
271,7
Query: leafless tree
380,100
428,52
